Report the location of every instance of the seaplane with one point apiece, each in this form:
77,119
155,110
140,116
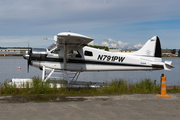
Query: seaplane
70,53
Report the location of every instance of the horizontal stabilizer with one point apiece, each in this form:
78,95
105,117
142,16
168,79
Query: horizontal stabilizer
167,65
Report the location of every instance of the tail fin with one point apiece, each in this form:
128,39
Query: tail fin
152,48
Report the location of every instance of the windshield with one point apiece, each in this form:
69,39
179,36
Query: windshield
51,47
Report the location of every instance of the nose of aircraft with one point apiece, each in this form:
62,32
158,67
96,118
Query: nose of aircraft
26,56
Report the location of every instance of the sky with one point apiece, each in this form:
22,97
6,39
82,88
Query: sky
124,24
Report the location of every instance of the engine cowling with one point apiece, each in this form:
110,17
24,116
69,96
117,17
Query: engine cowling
38,54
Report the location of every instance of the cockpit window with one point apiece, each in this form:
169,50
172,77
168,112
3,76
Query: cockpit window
56,51
74,53
88,53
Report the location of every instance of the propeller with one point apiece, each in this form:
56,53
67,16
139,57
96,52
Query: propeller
28,65
28,61
27,56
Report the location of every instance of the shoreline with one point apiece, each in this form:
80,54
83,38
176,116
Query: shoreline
171,87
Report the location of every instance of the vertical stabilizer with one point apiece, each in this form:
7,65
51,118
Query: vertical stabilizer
152,48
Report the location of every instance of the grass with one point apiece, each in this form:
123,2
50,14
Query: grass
117,86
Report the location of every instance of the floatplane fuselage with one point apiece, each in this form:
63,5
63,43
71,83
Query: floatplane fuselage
70,53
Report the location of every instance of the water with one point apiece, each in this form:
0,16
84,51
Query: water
9,69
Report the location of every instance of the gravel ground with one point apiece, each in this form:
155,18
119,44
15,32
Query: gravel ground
111,107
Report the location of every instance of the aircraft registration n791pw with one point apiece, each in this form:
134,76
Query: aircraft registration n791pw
71,53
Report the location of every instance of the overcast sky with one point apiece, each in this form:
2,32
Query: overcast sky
116,23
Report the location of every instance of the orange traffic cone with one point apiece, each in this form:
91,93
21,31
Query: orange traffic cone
163,87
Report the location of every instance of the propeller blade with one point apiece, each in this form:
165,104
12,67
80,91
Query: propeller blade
28,47
28,61
28,66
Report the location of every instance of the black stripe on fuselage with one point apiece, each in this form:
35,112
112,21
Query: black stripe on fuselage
93,62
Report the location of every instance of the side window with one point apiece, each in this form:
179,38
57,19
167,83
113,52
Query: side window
88,53
74,53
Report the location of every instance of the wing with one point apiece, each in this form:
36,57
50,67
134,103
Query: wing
69,38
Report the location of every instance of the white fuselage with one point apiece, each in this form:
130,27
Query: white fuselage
70,53
91,59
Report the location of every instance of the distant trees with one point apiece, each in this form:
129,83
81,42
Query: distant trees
99,47
179,53
173,51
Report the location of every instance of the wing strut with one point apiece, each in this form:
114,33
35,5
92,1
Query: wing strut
65,56
65,61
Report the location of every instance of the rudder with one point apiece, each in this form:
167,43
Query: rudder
158,48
